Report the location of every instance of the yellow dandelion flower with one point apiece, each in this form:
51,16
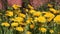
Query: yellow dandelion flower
26,10
19,19
43,29
50,5
49,16
15,6
21,15
6,24
41,19
28,32
32,11
14,24
32,26
17,11
53,10
9,13
30,6
22,23
35,19
19,29
57,19
37,13
28,21
51,31
43,12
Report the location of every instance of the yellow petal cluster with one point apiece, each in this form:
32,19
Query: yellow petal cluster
19,19
43,29
30,6
37,13
15,6
6,24
28,32
53,10
19,29
9,13
14,24
57,19
41,19
49,16
51,31
50,5
21,15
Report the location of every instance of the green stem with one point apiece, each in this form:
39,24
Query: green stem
43,33
11,31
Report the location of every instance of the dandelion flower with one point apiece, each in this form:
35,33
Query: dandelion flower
21,15
14,24
30,6
28,32
50,5
57,19
31,26
19,29
15,6
9,13
49,16
6,24
32,11
43,29
41,19
19,19
53,10
37,13
51,31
